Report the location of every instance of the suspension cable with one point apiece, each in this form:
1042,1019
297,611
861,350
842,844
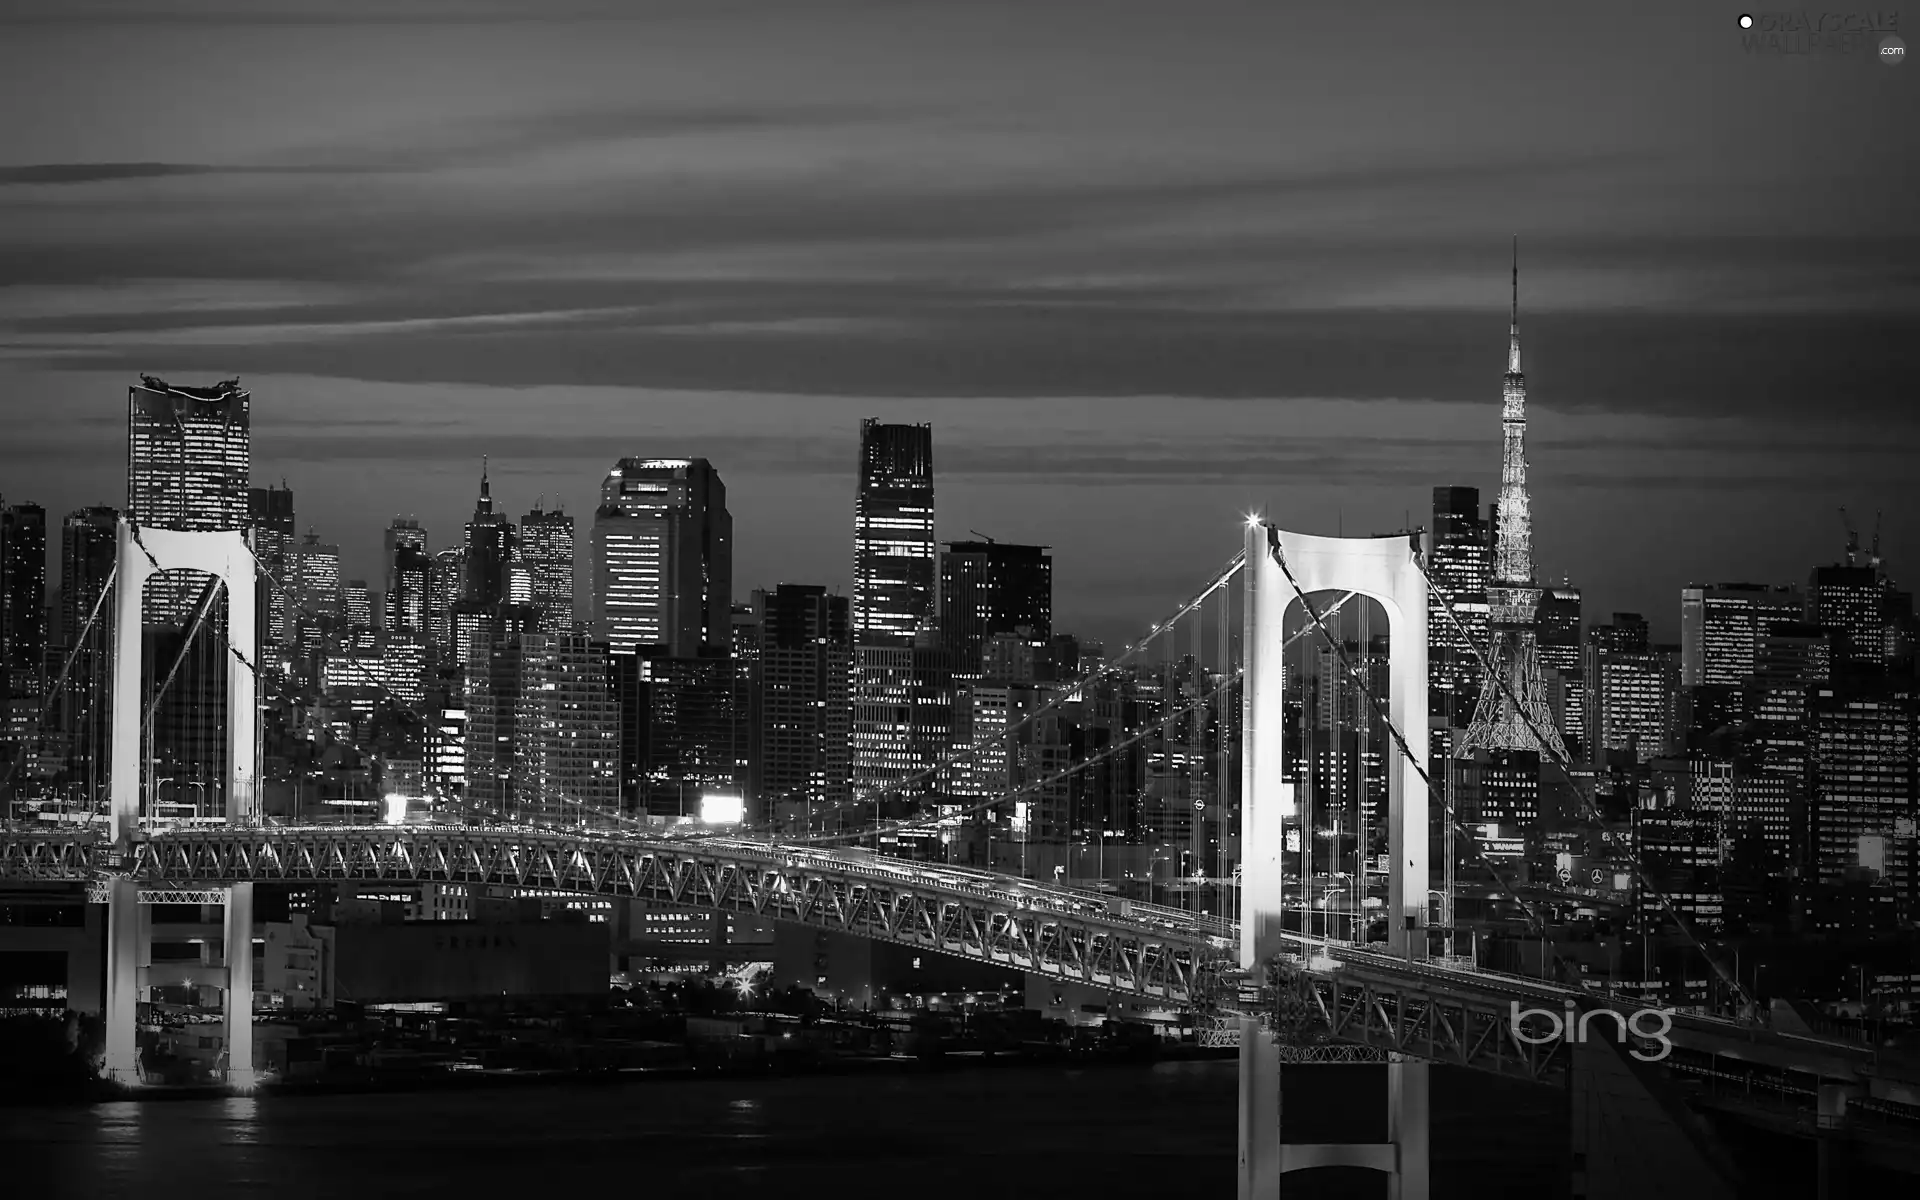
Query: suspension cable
1145,730
1562,762
60,685
954,757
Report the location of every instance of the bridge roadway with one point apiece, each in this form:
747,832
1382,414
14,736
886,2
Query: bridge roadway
1442,1010
1137,949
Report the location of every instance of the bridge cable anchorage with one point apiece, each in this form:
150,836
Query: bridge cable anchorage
1144,731
954,757
1561,762
60,684
1386,720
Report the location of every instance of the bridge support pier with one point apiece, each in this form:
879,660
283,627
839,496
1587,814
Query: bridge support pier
129,961
239,995
124,944
1265,1159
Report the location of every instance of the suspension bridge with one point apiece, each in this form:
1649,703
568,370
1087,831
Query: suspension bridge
1407,1000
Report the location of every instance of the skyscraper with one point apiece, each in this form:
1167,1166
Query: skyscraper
663,559
189,450
1461,566
87,547
1866,795
799,706
1632,692
1513,713
489,550
446,578
357,600
546,551
404,534
1562,662
88,543
566,728
270,522
989,588
902,701
893,547
409,583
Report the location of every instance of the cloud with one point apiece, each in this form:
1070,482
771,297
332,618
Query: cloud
57,174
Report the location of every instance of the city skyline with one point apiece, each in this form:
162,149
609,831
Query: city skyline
411,268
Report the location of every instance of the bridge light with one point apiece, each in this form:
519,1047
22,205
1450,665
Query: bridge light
1253,520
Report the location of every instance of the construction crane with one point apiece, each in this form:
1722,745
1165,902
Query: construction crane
1873,555
1853,539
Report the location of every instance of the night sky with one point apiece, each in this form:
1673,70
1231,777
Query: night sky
1145,264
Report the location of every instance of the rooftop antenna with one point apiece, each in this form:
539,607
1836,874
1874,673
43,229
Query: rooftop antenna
983,537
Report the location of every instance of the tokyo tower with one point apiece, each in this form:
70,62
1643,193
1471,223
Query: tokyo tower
1513,693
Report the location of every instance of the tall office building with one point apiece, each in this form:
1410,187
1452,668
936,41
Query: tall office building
23,598
746,713
1866,794
404,534
1633,692
1866,614
1461,563
489,545
1562,662
902,700
409,587
798,707
189,450
546,552
88,543
87,548
270,522
989,588
893,546
1721,626
662,548
357,600
446,581
677,735
566,728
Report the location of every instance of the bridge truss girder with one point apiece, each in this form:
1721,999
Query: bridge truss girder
1048,941
1460,1030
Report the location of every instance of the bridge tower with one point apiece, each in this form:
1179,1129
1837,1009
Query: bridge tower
1280,567
145,552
